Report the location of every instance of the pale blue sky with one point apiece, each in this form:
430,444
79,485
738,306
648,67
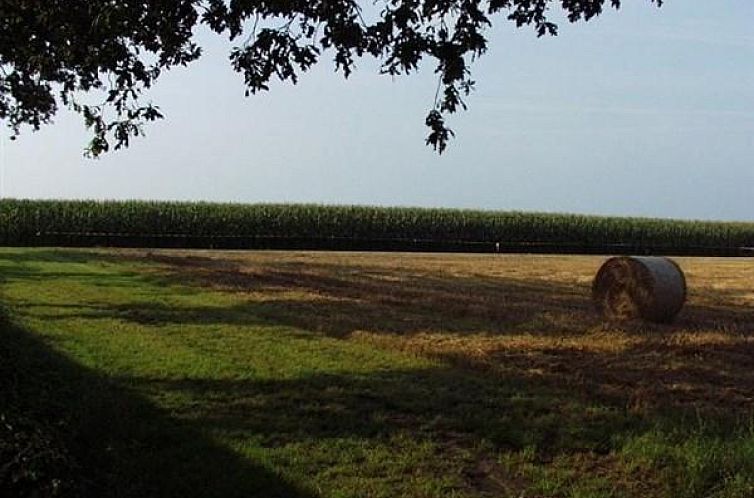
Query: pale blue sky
644,112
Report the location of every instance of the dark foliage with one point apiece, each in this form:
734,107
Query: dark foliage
34,457
52,52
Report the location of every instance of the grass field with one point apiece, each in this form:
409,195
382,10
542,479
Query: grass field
289,374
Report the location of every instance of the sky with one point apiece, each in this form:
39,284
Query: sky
641,112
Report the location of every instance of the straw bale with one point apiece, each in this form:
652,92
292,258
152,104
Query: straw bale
646,287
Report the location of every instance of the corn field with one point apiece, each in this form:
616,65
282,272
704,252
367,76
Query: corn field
215,225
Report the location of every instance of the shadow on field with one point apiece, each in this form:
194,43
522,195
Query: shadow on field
455,409
651,374
69,432
554,399
648,379
338,299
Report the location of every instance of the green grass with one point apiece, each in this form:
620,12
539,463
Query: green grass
152,387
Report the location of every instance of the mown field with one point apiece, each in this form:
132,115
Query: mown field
135,373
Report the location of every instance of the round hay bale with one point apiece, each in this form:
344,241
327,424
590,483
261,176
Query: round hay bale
646,287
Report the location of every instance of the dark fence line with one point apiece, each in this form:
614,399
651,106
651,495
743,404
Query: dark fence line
266,242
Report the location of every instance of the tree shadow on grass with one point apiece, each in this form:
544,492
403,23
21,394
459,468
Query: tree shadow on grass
127,447
122,445
67,424
555,399
49,255
648,379
333,299
441,404
338,299
652,374
456,412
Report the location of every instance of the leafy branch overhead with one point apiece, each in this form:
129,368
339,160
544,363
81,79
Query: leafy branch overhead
98,57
